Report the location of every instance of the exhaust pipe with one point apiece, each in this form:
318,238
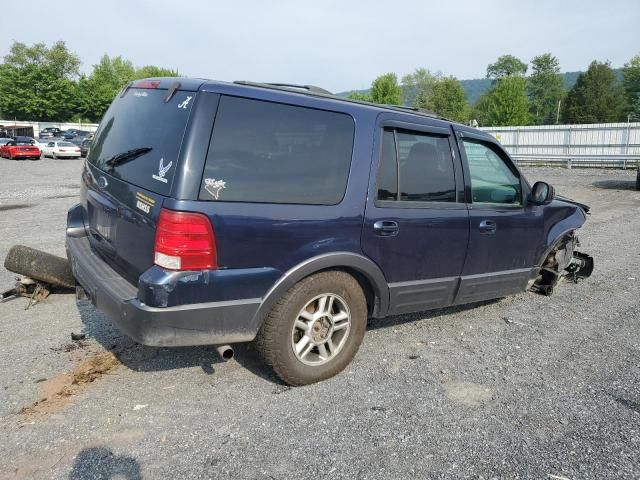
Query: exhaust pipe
225,351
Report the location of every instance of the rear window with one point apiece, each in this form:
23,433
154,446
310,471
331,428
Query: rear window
145,134
66,144
274,153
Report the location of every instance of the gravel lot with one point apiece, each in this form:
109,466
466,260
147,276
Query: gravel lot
524,387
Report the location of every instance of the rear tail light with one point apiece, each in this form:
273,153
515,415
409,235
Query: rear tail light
185,241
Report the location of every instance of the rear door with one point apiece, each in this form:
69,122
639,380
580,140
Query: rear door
416,227
505,234
130,170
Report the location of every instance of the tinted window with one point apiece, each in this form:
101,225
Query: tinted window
141,121
268,152
492,180
425,168
388,171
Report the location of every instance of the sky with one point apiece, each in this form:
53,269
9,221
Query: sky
332,44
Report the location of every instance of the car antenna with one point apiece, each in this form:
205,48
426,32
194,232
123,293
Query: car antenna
172,91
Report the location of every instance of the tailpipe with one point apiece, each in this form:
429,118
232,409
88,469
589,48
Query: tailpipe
225,351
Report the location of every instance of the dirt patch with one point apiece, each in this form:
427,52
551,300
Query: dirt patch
467,393
58,392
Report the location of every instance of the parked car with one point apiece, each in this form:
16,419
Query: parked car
49,132
75,133
295,215
61,149
82,143
20,148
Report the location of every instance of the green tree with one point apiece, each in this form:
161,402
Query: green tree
545,87
595,98
631,83
446,98
506,66
98,90
506,104
37,82
385,89
149,71
417,86
360,96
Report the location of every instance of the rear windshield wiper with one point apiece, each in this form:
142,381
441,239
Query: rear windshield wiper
124,157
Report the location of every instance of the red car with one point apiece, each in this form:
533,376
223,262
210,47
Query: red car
20,148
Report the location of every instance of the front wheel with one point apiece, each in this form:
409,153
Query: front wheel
316,328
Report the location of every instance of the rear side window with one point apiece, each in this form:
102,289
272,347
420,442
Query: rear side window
140,136
273,153
420,164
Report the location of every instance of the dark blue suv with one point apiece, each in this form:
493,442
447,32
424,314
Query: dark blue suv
217,213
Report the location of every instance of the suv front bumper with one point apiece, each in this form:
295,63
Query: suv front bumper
212,323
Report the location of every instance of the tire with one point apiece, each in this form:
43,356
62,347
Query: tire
638,179
54,156
40,266
280,333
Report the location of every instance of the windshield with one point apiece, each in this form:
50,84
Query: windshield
140,136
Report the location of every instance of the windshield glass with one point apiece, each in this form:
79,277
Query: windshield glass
139,137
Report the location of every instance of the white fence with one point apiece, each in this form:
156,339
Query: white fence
596,145
39,126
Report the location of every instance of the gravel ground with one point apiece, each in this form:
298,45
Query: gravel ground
524,387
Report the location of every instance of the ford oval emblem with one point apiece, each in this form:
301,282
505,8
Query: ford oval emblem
102,182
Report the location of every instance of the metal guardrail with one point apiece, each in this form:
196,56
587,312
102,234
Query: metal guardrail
622,161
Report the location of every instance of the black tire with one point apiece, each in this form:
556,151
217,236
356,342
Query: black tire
40,266
273,341
638,179
54,156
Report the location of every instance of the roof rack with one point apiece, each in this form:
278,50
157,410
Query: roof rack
321,92
308,88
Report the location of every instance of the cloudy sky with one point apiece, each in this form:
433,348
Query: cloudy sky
339,45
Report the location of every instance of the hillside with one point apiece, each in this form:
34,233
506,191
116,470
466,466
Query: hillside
476,87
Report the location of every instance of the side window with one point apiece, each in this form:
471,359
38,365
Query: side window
274,153
420,164
492,181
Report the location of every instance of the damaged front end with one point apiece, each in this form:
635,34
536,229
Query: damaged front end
564,261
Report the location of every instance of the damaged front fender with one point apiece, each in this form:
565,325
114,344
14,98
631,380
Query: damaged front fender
564,261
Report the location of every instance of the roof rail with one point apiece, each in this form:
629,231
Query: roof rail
308,88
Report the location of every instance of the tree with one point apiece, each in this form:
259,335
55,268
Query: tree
98,90
446,98
506,66
360,96
631,83
595,98
417,86
505,104
37,83
385,89
545,87
152,71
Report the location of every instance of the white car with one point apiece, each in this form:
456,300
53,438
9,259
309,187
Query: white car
60,149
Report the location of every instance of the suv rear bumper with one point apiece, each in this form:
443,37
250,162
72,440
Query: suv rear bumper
212,323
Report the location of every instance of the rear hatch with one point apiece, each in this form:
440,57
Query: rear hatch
130,169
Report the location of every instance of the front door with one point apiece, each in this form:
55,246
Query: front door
417,226
505,234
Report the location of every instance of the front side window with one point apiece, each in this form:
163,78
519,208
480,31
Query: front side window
492,180
273,153
416,167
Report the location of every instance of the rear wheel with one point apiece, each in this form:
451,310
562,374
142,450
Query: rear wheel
316,328
54,156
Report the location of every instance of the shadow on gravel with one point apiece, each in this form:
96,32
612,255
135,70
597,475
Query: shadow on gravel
615,184
17,206
376,323
149,359
100,462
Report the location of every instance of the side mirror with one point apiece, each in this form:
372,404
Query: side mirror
542,193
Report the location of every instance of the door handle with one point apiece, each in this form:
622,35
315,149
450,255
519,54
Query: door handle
385,228
487,226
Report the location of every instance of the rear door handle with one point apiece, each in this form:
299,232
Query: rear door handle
487,226
385,228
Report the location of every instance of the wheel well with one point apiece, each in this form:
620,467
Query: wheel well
365,284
